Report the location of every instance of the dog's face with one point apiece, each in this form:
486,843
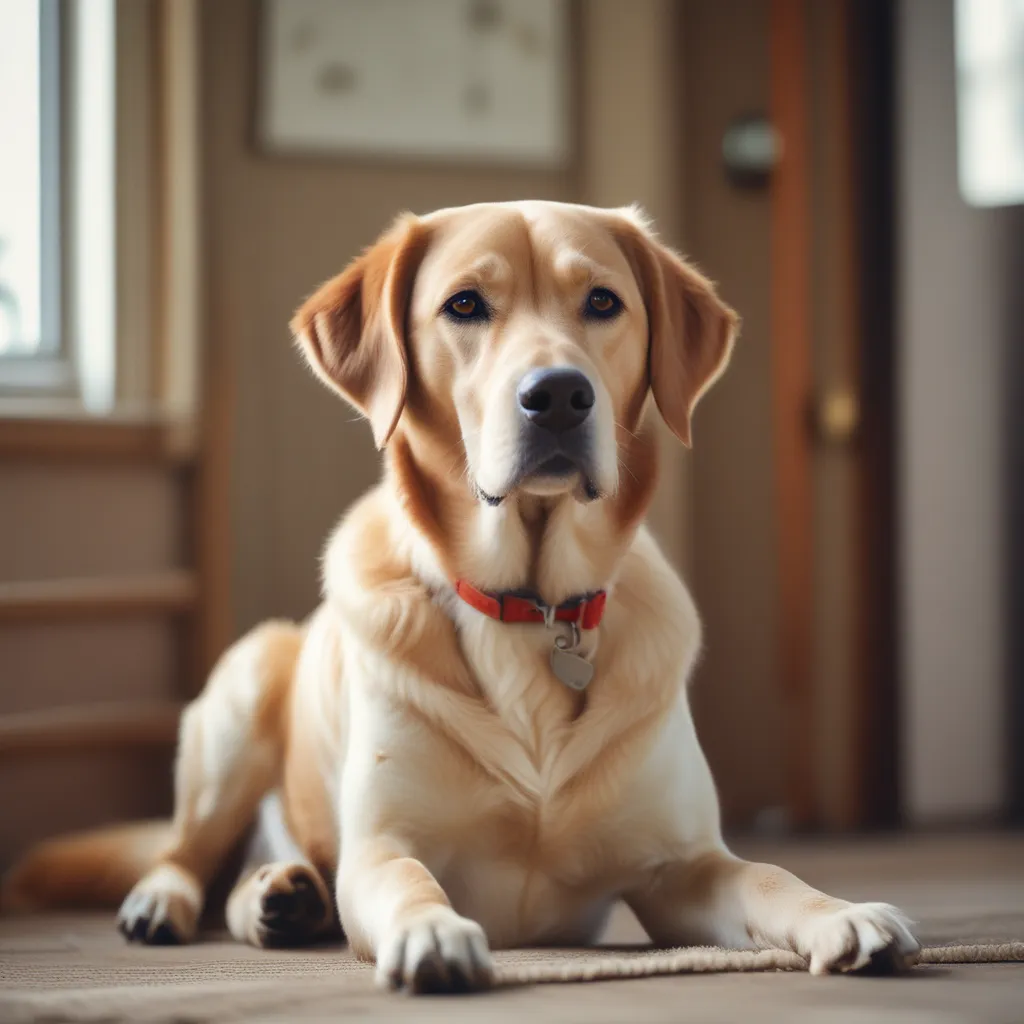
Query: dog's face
532,330
532,322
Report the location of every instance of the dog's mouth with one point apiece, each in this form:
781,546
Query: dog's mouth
557,466
554,475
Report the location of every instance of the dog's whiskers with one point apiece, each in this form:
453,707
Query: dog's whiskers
627,469
622,426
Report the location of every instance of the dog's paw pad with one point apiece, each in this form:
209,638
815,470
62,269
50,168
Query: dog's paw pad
292,905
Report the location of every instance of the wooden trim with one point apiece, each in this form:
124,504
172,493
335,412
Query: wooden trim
213,627
209,498
1013,412
179,299
136,176
84,439
792,383
869,35
838,578
848,810
171,592
94,727
195,375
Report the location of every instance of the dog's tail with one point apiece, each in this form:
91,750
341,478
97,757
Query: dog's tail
86,870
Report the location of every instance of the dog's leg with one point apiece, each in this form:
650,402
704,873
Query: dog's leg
229,755
717,899
394,911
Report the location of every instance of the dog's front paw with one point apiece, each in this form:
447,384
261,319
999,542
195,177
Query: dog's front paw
437,951
163,909
862,935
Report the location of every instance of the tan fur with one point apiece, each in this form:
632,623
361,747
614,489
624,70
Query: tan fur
88,869
425,755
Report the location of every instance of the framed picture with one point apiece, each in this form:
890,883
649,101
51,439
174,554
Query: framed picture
421,79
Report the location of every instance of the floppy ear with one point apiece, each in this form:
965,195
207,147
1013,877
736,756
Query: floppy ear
691,331
352,330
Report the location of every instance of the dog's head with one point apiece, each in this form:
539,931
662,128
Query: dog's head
530,333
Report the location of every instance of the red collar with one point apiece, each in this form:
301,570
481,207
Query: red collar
586,610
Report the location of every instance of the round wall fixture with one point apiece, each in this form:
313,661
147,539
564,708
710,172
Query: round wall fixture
751,150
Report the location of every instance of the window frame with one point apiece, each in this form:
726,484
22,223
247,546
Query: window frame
101,277
49,369
154,360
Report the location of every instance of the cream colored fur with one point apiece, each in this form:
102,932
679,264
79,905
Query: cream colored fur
427,761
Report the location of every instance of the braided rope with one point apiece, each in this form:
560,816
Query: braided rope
704,960
993,953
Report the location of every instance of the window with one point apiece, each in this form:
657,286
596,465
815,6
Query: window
990,100
29,203
57,330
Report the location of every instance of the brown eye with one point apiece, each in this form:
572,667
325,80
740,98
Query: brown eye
466,306
602,304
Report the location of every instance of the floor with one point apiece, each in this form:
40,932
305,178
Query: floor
959,888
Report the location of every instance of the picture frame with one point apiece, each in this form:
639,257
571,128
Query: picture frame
423,80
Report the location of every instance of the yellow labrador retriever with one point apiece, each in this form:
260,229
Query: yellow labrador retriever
482,736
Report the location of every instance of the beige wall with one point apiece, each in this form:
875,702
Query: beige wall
952,333
276,227
631,56
63,521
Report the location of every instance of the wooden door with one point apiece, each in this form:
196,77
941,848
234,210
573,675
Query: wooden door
735,572
792,542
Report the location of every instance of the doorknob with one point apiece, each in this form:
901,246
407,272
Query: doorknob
836,416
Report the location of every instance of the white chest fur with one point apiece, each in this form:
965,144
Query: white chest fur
513,665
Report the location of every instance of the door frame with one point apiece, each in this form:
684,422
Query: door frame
859,99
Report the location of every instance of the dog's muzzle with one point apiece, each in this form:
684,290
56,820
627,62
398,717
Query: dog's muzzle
555,404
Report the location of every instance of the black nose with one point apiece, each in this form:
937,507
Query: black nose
556,399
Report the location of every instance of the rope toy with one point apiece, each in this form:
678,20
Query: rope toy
706,960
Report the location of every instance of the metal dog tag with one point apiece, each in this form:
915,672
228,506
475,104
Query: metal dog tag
570,668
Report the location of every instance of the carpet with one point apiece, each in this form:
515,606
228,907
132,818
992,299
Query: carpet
64,968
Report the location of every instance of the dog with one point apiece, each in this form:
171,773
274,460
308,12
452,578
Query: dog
482,736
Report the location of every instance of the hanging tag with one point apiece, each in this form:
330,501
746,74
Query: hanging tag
568,667
571,669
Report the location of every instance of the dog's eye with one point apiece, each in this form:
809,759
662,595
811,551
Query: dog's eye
466,306
602,304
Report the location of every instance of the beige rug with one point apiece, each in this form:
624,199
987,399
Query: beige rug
76,968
